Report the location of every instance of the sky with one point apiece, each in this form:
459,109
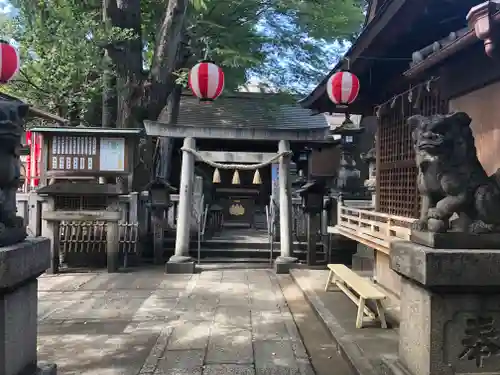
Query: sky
5,7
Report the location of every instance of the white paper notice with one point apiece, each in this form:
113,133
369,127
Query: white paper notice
112,154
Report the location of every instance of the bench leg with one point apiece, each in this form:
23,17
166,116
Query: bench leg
361,308
381,314
330,278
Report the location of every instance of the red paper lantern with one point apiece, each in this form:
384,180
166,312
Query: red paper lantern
343,88
9,62
206,81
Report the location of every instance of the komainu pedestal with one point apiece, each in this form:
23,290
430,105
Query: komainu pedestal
450,310
20,266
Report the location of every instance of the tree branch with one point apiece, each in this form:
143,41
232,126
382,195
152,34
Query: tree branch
165,56
28,80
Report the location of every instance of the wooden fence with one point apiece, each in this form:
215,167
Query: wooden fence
374,229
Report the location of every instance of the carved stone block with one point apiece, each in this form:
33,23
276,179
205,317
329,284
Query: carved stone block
456,240
450,310
451,269
20,265
448,333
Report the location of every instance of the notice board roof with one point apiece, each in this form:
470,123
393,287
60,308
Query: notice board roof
81,130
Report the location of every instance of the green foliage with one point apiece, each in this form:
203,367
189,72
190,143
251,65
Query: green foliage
281,41
61,54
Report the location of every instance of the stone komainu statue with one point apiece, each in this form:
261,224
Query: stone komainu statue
451,179
12,114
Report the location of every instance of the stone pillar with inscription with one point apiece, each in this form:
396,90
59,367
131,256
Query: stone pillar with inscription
181,262
286,259
450,309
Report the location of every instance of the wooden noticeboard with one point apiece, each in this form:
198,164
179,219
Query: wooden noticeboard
87,153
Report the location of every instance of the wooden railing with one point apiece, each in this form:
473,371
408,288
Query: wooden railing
374,229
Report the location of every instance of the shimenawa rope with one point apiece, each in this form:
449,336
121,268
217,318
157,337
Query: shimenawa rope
241,167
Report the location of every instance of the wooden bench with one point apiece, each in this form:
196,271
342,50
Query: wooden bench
348,282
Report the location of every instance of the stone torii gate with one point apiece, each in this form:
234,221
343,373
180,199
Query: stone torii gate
181,262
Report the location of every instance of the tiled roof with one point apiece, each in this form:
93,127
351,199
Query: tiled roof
442,49
436,47
247,111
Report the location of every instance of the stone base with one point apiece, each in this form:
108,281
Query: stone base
452,268
456,240
440,333
282,265
47,370
450,309
361,263
20,265
180,264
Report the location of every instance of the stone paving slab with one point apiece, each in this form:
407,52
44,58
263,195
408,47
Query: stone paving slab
227,321
230,345
228,370
364,347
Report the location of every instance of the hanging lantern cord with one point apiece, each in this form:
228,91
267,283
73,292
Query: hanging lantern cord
348,61
207,50
244,167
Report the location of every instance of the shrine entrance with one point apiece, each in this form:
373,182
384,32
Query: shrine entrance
241,194
231,145
240,207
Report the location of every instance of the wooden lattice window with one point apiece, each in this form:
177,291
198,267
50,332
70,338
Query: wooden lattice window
397,192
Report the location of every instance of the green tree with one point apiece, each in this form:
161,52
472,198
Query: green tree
139,51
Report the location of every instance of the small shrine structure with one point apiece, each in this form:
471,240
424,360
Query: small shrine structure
83,173
242,135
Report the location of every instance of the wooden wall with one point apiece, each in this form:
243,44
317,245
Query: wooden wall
483,106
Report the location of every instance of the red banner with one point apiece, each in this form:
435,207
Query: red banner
36,159
34,142
28,159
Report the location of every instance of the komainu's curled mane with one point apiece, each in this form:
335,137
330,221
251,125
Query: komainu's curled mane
451,178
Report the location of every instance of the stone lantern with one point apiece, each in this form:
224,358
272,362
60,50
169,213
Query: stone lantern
312,194
348,184
159,201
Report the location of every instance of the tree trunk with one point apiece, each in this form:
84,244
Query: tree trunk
166,144
108,117
170,113
127,57
109,102
165,58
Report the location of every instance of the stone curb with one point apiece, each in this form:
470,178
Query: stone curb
349,350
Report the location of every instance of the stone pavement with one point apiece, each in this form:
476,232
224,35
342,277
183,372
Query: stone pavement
148,323
363,348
